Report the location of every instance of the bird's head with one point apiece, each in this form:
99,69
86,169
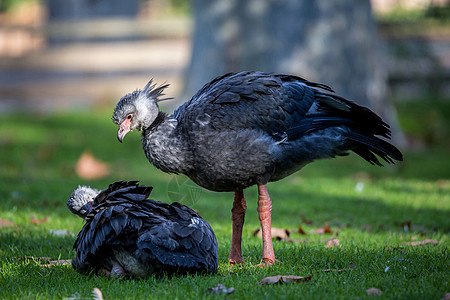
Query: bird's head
138,110
81,200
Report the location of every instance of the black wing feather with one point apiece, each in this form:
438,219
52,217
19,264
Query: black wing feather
154,233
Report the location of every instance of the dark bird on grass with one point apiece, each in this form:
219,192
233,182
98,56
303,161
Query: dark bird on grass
251,128
127,234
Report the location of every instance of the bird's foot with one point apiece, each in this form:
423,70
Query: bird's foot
267,262
236,260
104,272
117,271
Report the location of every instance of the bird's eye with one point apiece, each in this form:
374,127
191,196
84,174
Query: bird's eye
129,116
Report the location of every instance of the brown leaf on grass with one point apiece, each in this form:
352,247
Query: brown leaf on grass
425,241
276,233
446,296
306,221
284,279
325,229
300,230
6,223
331,243
35,221
88,167
373,291
220,289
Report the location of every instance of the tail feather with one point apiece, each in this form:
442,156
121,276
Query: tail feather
367,146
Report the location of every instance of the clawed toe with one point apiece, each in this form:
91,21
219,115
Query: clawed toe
267,262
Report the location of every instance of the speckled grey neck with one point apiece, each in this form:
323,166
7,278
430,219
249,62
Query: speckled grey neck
165,146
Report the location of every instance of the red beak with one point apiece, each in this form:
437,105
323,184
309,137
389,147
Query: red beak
124,128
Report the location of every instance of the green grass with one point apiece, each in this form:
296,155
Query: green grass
37,158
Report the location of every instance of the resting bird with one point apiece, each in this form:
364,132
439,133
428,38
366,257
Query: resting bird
251,128
127,234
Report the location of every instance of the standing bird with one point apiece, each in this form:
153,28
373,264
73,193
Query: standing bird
127,234
249,128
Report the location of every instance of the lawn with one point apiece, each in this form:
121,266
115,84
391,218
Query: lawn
375,213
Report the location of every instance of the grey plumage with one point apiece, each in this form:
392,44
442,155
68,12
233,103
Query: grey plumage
81,200
251,128
140,237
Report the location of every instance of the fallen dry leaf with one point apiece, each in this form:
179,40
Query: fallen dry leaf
5,223
35,221
88,167
300,230
284,279
373,291
332,243
97,294
220,289
276,233
306,221
426,241
325,229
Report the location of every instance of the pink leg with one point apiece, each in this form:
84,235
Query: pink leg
237,218
265,217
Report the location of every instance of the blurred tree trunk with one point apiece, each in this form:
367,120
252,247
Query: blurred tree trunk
332,42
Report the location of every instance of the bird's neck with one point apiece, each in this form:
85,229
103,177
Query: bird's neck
165,146
160,118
